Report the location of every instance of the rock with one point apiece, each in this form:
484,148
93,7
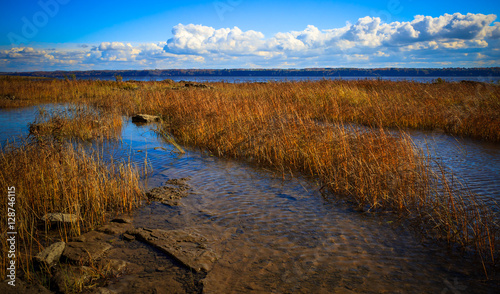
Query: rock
60,218
168,81
145,118
128,237
92,236
50,255
116,266
115,228
122,220
179,182
189,248
84,252
171,193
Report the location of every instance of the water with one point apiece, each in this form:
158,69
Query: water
474,163
281,235
252,79
15,123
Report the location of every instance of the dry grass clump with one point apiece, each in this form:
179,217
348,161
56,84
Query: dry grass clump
80,122
51,177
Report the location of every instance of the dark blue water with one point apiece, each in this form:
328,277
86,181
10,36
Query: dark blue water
252,79
14,123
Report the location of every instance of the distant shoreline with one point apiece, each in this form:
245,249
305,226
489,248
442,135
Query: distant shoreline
307,72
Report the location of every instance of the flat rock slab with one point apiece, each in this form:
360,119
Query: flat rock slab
92,236
60,218
51,254
115,228
171,193
84,252
145,118
189,248
116,266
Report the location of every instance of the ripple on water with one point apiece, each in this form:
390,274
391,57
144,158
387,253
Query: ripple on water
280,235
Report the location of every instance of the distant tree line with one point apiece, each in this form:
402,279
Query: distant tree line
307,72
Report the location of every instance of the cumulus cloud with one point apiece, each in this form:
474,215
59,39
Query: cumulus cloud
369,36
456,39
198,39
29,58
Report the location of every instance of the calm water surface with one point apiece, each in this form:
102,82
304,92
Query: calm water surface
281,235
252,79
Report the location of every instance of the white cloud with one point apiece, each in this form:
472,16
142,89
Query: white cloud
425,40
198,39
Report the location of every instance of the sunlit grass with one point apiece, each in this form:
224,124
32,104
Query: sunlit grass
80,122
54,177
312,128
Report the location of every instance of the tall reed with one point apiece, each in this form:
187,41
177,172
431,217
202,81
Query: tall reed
77,121
54,177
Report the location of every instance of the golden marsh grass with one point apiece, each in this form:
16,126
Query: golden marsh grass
307,127
52,176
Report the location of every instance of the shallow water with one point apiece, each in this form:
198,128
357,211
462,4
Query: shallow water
475,163
281,235
14,123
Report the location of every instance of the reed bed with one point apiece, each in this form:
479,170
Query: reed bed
78,121
56,177
370,167
469,109
311,127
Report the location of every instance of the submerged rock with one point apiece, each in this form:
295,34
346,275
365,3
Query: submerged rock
122,220
116,266
92,236
115,228
189,248
84,252
171,193
145,118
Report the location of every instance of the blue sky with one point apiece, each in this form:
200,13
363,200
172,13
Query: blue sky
149,34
